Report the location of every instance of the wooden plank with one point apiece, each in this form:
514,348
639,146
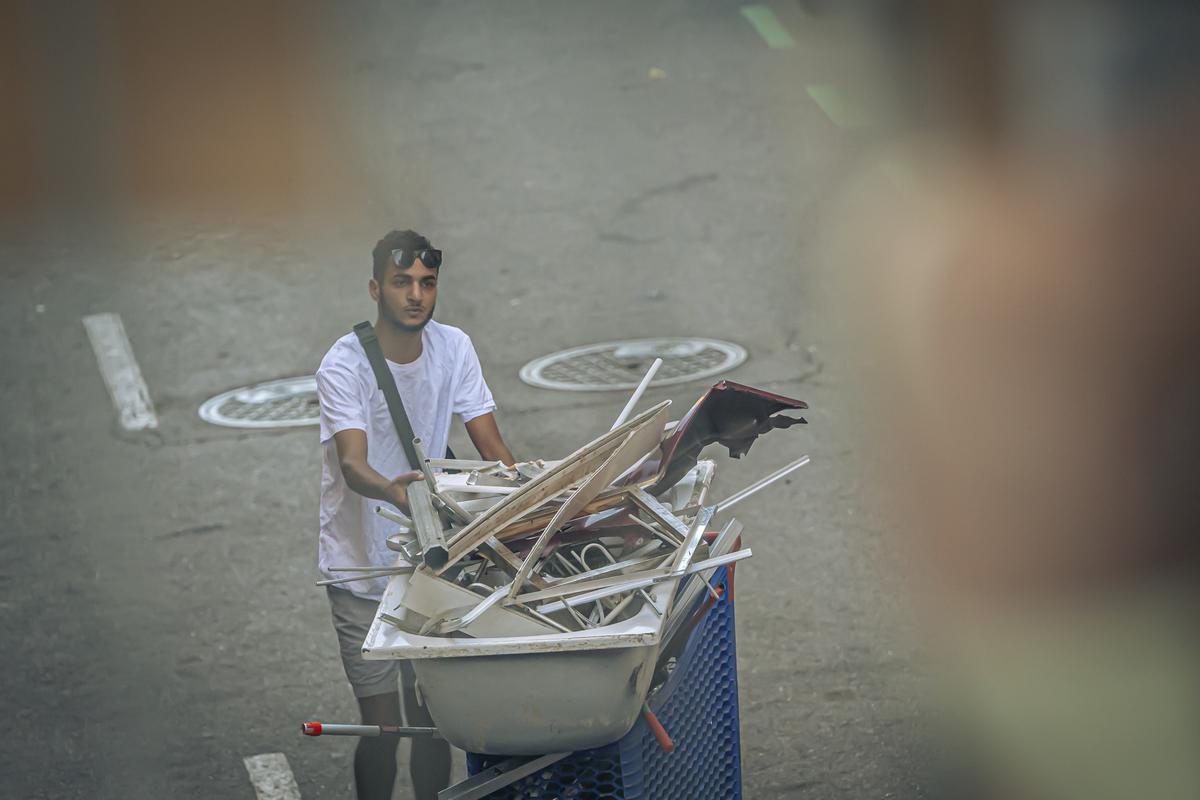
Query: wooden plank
489,522
545,486
640,441
609,499
572,503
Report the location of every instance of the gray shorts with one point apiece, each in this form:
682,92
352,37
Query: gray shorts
352,617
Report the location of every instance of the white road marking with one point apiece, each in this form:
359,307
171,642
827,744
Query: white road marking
120,371
272,777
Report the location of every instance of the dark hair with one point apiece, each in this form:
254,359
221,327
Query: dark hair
395,240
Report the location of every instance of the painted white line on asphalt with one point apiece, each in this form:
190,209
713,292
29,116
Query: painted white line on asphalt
120,372
272,777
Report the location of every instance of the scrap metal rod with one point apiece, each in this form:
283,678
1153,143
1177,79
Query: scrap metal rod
428,526
761,483
495,778
367,576
453,509
638,581
637,394
742,494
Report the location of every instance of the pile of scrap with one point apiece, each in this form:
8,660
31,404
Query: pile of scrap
584,543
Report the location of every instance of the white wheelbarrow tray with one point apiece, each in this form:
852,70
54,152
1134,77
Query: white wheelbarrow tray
529,695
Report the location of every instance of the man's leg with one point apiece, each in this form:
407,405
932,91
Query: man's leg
375,756
375,688
428,759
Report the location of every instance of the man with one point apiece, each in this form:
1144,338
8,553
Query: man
438,375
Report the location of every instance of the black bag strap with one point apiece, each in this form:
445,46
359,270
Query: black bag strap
387,384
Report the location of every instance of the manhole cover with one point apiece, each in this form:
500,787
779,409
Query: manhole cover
286,403
620,365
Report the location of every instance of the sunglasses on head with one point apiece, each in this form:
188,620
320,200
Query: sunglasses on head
430,257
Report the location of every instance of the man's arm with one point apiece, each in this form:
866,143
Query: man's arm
485,435
362,478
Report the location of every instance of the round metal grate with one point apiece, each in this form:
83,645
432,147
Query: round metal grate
286,403
621,365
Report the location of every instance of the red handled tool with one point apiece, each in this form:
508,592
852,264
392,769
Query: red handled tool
337,729
660,733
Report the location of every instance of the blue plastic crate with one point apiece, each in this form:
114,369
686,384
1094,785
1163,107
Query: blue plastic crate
698,706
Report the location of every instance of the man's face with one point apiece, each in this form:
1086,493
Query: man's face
406,297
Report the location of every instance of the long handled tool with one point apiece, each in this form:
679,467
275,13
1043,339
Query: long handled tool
337,729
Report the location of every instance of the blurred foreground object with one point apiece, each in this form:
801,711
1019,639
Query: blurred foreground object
1030,310
135,107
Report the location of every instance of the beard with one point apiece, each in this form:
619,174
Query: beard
398,319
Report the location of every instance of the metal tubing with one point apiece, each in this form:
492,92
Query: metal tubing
463,464
376,568
454,509
366,576
493,779
737,497
399,519
637,394
662,515
582,556
692,541
659,534
564,588
428,526
643,581
619,566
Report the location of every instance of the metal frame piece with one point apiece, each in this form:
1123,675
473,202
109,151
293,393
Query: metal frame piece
660,535
464,464
692,540
581,554
697,583
599,572
380,572
644,580
454,511
589,584
428,526
644,435
545,486
661,514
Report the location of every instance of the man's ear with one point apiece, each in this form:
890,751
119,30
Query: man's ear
373,287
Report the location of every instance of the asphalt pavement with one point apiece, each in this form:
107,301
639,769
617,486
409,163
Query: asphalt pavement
593,171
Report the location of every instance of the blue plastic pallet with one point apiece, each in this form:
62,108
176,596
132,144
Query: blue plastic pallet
699,708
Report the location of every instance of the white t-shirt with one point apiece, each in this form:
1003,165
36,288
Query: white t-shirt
446,379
